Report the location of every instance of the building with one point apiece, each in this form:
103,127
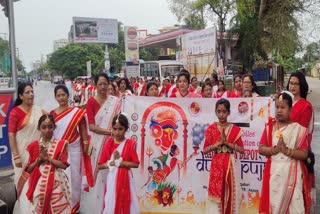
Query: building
60,44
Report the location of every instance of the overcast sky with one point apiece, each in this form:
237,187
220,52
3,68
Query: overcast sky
39,22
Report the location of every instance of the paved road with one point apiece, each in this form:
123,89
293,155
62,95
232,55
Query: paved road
314,98
44,95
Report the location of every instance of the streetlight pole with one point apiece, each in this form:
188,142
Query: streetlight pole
12,40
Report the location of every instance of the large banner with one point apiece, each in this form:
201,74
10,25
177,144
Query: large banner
198,42
173,174
5,152
95,30
197,52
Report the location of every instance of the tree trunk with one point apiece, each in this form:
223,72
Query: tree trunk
263,4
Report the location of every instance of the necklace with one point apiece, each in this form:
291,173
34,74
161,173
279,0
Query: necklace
280,130
118,142
223,124
44,144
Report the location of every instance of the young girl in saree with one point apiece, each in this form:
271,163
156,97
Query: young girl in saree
119,156
285,187
224,139
48,189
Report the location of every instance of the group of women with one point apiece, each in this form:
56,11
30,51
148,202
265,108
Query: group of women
70,141
243,86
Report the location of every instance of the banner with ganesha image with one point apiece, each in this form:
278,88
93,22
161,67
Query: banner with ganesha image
173,174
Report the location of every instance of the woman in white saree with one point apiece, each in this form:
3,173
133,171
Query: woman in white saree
285,187
100,110
23,121
71,126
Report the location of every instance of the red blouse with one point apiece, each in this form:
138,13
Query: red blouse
92,109
16,118
109,148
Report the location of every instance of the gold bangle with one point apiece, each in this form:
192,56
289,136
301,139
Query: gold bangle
50,160
85,142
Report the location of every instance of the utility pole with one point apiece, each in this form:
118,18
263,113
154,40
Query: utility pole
9,11
12,40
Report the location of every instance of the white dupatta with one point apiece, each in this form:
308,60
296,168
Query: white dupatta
103,119
110,197
286,184
24,137
92,202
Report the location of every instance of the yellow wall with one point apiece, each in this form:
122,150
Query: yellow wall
314,70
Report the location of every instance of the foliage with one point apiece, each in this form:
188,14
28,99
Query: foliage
148,54
117,57
195,20
5,59
290,64
117,51
263,27
220,8
186,11
312,52
71,59
249,45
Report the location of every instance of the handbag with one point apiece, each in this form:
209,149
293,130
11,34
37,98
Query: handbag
309,162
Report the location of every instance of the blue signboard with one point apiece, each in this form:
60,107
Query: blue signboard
5,152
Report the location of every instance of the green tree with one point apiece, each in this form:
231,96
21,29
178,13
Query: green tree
117,51
312,52
195,20
187,12
148,54
290,64
193,11
5,59
265,26
71,60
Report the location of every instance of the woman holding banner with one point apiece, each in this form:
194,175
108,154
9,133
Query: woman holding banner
285,186
72,126
224,139
183,80
100,110
23,122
